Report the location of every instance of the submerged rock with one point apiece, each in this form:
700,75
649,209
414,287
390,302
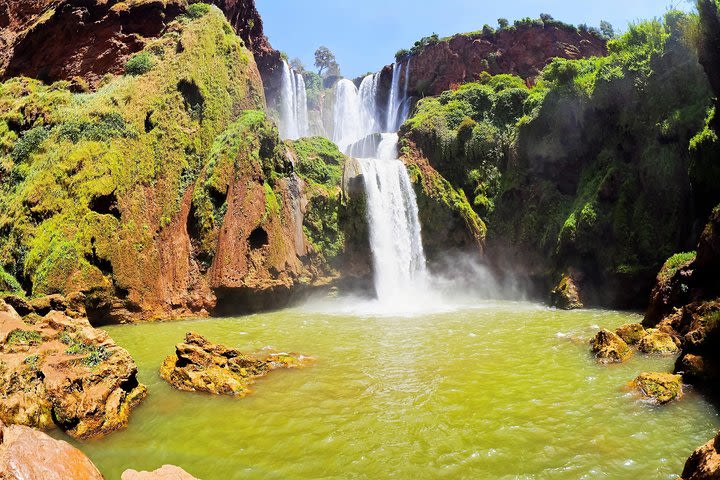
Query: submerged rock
201,366
704,463
631,333
60,371
166,472
608,347
660,387
658,342
566,294
28,454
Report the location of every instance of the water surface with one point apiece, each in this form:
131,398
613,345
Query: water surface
501,391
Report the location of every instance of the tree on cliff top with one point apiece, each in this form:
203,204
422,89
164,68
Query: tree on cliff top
607,29
325,60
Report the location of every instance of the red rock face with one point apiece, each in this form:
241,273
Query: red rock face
522,51
86,39
61,40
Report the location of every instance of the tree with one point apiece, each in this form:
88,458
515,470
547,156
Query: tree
607,29
297,65
546,17
503,22
324,60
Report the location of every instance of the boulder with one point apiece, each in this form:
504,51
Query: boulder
659,387
658,342
166,472
60,371
28,454
704,463
201,366
566,294
631,333
608,347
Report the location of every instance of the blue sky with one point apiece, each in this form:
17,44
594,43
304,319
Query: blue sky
365,34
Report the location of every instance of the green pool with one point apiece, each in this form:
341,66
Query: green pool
499,391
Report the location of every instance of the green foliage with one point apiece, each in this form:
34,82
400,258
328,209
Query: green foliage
325,61
607,29
674,263
313,88
8,283
503,23
92,355
28,143
139,64
100,128
197,10
319,160
24,337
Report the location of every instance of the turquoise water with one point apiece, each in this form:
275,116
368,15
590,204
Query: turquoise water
501,391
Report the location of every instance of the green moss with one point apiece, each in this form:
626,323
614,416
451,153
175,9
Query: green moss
197,10
8,284
24,337
139,64
318,160
674,263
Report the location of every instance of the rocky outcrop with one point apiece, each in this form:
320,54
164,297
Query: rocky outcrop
631,333
658,387
166,472
566,294
704,463
609,348
201,366
27,454
60,371
524,51
658,342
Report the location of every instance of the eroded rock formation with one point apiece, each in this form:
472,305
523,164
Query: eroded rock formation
166,472
201,366
60,371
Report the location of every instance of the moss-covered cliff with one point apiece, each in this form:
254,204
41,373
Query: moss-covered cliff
163,189
586,172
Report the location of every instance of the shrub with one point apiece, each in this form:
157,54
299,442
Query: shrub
26,337
139,64
197,10
29,143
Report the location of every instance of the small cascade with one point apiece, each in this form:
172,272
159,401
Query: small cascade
398,108
293,105
395,236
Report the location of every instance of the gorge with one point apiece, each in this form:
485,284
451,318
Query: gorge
437,242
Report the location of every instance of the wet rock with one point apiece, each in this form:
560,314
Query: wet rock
60,371
566,294
166,472
631,333
704,463
608,347
658,342
28,454
201,366
660,387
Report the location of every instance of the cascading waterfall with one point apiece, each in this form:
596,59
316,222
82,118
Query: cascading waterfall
293,105
395,235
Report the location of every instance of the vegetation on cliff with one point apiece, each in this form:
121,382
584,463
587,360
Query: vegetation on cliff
575,171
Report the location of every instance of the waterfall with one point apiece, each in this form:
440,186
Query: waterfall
293,105
395,237
360,129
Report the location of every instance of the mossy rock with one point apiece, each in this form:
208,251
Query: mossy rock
631,333
659,387
566,294
608,347
658,342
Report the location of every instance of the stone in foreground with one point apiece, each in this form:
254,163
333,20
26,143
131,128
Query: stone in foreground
60,371
166,472
28,454
659,387
704,463
631,333
658,342
608,347
201,366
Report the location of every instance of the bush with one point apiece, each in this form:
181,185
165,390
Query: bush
197,10
140,63
29,143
